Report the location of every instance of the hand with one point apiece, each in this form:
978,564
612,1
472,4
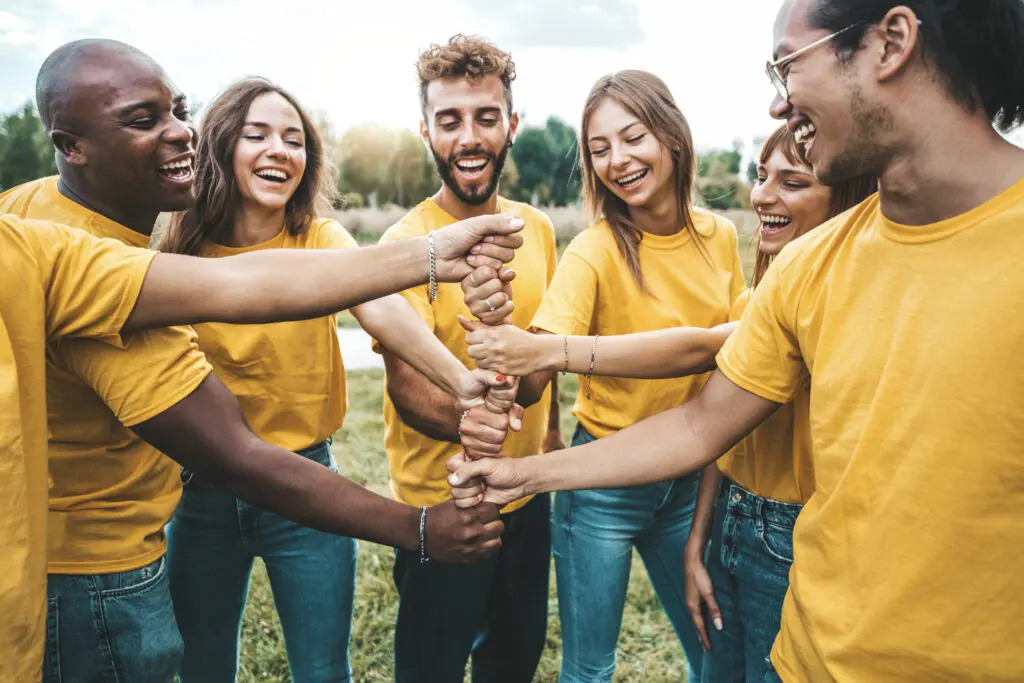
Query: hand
489,240
477,387
700,591
488,294
506,348
553,441
482,431
462,536
498,480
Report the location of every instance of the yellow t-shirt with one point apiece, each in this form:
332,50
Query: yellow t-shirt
418,474
54,282
909,555
594,293
775,460
112,492
288,377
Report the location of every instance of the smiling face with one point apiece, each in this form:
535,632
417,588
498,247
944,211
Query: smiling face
627,157
469,132
789,201
833,111
270,156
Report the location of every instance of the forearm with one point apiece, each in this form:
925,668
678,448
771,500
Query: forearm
672,352
665,446
532,388
274,285
421,404
554,414
394,323
704,509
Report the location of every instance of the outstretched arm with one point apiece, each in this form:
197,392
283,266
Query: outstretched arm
276,285
672,352
206,432
665,446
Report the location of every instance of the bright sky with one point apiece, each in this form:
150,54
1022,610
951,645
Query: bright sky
353,61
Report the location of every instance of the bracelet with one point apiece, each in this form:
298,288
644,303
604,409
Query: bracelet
593,354
423,536
433,268
565,346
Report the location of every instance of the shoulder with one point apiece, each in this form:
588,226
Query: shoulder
712,226
328,233
534,217
596,244
818,248
420,220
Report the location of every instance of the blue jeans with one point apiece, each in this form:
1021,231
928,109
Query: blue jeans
749,559
495,611
593,536
212,542
111,627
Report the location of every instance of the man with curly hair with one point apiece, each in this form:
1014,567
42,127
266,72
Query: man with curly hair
497,611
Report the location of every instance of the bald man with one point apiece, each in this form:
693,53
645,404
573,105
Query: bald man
124,152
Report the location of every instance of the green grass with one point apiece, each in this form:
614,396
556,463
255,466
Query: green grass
648,648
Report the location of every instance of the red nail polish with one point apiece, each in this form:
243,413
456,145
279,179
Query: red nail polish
502,378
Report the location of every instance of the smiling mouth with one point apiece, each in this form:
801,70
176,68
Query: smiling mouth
771,223
804,136
632,180
178,171
271,174
472,167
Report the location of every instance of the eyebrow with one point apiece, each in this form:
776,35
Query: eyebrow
452,111
150,105
620,131
260,124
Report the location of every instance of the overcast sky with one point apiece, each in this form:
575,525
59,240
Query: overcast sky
353,61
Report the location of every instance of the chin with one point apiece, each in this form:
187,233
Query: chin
177,202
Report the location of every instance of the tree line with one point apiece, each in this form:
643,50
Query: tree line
379,166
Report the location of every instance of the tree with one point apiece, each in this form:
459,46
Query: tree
546,160
411,169
25,150
365,156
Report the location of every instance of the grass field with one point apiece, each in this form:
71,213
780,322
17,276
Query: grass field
648,648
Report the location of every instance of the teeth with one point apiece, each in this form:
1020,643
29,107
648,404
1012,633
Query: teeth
631,177
272,173
804,132
474,164
175,165
774,220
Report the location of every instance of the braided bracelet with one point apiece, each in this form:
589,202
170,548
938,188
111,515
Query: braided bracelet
565,347
593,354
423,536
433,268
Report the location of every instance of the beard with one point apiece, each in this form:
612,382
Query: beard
865,152
474,194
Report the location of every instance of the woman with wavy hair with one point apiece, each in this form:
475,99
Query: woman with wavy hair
260,183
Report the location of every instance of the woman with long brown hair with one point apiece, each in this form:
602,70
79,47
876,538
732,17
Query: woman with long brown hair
748,505
260,183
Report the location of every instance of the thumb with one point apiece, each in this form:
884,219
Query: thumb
515,417
470,471
470,325
506,275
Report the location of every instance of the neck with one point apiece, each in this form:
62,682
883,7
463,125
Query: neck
460,210
659,217
937,175
255,225
141,221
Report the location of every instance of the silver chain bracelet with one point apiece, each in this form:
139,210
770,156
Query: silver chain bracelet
423,536
433,268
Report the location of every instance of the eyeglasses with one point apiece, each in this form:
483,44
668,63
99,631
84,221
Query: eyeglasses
774,68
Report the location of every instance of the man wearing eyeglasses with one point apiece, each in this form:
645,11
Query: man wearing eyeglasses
908,558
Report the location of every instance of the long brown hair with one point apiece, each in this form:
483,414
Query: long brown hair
648,98
217,197
844,195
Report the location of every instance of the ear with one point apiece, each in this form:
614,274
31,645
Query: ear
425,132
70,146
513,126
898,37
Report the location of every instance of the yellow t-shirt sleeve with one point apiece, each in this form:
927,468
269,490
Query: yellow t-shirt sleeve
739,305
568,306
156,369
738,284
550,249
91,284
763,355
331,235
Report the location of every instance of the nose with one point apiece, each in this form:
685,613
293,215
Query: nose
763,195
468,138
618,156
276,148
779,108
179,132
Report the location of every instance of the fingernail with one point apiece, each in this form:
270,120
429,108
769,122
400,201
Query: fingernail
718,623
516,222
475,249
501,378
453,479
515,424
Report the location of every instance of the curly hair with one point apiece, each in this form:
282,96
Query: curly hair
472,57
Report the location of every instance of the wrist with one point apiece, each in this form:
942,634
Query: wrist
551,348
409,539
695,546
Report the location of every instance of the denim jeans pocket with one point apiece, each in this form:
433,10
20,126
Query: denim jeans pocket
777,541
140,628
